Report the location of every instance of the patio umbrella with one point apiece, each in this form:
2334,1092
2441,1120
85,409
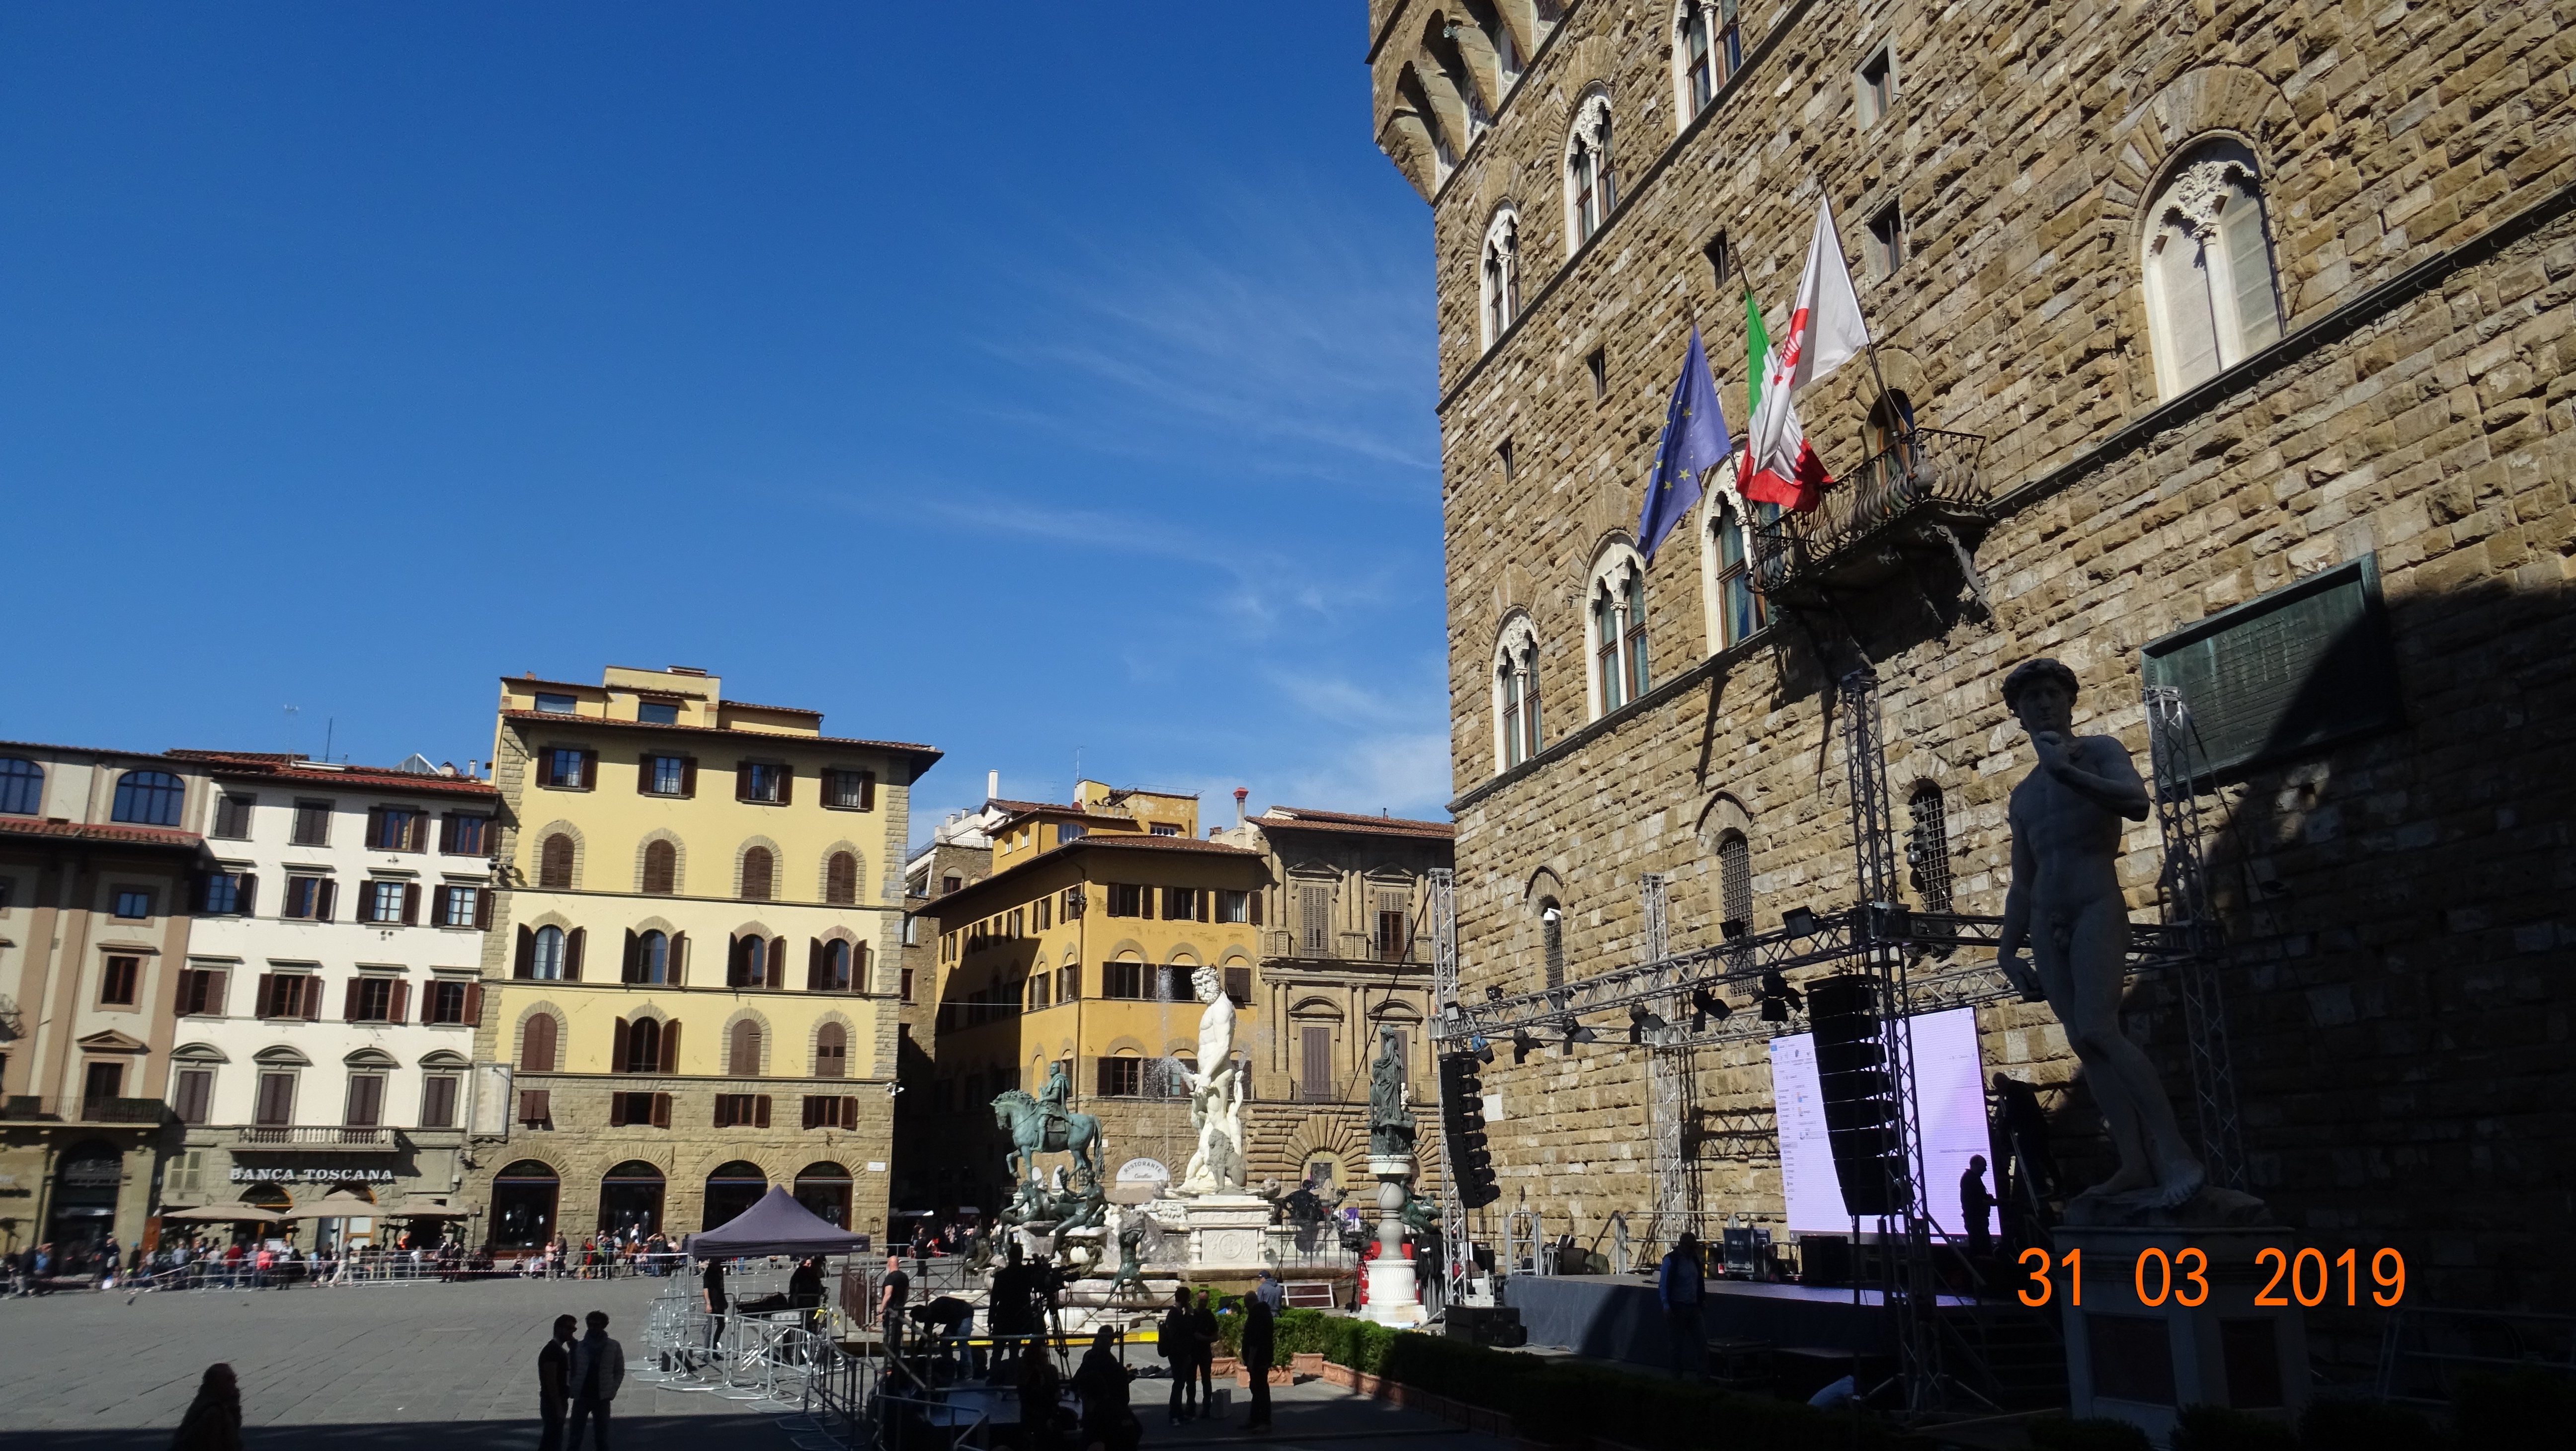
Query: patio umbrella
420,1207
338,1204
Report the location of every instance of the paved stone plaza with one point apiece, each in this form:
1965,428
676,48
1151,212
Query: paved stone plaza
446,1366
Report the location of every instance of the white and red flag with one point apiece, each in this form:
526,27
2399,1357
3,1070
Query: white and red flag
1825,331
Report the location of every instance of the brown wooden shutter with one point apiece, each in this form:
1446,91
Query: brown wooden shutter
810,1104
483,908
859,968
535,1106
447,834
629,969
1255,904
590,770
1238,986
349,1003
617,1046
760,1110
199,884
402,1001
375,827
688,775
267,995
438,905
310,988
326,899
867,790
778,962
742,780
644,774
525,964
617,1106
678,961
1317,1069
1206,897
573,941
671,1047
411,904
786,784
662,1109
474,1003
813,964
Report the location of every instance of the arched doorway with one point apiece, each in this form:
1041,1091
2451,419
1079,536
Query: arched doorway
824,1188
84,1202
630,1198
523,1205
731,1189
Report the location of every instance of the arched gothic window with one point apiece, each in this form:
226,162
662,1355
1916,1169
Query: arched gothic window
550,953
149,798
1501,282
2212,297
1516,717
1499,39
742,1059
554,862
661,868
1708,47
537,1045
1591,192
841,879
1735,880
1737,612
1616,625
758,868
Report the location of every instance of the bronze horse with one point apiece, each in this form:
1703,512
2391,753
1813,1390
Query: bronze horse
1018,1115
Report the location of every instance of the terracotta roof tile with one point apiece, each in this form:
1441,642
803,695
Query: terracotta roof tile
268,766
1310,819
111,832
1116,841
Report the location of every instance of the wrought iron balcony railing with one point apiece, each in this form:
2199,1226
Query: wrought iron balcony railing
1909,496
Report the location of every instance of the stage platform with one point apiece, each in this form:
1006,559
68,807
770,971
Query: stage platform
1617,1317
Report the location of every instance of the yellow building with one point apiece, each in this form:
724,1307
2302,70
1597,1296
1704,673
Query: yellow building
693,975
1079,950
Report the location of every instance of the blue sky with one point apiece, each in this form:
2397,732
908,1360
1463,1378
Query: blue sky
1017,379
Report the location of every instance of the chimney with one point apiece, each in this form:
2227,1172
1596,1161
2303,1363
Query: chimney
1240,793
992,785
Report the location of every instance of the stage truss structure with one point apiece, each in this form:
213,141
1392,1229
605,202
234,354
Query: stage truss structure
1895,945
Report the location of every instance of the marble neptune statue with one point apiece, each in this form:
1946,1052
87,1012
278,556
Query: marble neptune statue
1216,1096
2065,905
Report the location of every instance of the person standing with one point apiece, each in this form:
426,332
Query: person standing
890,1302
1270,1292
1203,1336
1101,1382
1259,1346
213,1421
1178,1338
712,1284
1680,1285
598,1365
554,1383
1974,1202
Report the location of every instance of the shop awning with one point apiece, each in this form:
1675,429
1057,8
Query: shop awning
338,1204
225,1214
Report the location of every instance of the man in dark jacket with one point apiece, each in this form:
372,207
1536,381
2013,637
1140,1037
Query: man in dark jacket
554,1383
598,1368
1259,1343
1203,1333
1101,1382
1679,1287
1178,1338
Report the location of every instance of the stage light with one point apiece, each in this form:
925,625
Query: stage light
1706,1005
1482,1048
1642,1021
1778,998
1734,928
1493,995
1799,921
1577,1033
1523,1045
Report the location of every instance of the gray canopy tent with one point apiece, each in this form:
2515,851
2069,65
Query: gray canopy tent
776,1225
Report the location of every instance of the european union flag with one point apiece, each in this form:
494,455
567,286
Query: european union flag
1695,441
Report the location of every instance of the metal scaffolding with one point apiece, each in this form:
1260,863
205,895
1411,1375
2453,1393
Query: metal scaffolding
1457,1248
2182,892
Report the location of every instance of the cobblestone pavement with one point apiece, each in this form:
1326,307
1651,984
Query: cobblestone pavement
411,1365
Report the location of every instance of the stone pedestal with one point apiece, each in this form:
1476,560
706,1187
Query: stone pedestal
1393,1297
2140,1363
1223,1231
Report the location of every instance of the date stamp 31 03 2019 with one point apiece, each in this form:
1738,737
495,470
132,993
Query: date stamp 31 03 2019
2306,1276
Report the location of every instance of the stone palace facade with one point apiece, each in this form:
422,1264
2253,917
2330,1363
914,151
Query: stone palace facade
2229,338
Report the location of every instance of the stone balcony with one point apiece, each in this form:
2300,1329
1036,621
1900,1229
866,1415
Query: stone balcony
306,1137
1923,496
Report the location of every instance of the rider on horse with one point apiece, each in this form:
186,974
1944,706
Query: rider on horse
1051,1105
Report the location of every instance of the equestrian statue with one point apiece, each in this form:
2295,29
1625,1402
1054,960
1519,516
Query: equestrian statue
1043,1125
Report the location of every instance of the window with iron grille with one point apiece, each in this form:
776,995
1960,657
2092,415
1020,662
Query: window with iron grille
1735,879
1927,847
2286,674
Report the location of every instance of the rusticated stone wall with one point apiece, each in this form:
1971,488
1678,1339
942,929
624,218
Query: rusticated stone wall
2400,1001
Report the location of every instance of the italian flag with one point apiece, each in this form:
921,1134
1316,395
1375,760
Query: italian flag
1825,332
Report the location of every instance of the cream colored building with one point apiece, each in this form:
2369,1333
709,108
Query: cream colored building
693,977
